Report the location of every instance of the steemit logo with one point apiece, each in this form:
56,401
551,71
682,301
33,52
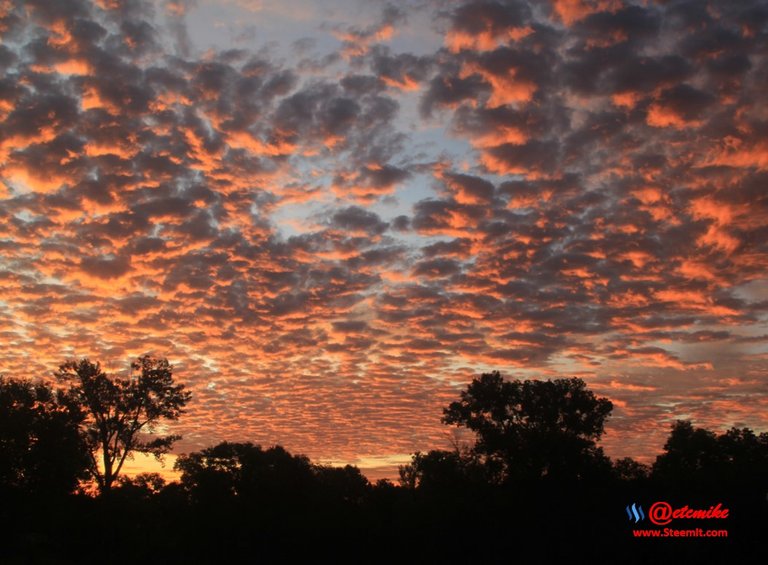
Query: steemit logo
637,511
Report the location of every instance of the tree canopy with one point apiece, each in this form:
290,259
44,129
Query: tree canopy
532,428
441,470
457,505
41,450
738,456
249,473
121,415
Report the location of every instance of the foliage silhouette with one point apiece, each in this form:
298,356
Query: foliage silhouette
244,470
439,470
534,429
343,484
141,486
247,472
121,415
692,454
475,505
41,451
628,470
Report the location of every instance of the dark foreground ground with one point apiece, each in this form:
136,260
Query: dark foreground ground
533,523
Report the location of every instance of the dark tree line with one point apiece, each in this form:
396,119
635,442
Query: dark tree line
536,466
41,449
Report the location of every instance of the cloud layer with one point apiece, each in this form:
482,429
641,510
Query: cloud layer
329,245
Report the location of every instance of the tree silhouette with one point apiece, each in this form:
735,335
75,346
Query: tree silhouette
628,470
344,484
142,486
41,451
533,428
439,470
246,471
121,415
270,477
689,452
692,454
746,457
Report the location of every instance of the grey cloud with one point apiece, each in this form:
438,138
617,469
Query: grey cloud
105,267
356,218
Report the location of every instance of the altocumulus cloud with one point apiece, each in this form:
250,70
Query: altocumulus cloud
340,239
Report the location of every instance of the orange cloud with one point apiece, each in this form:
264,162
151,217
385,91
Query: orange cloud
741,155
506,88
206,217
626,99
662,117
571,11
486,40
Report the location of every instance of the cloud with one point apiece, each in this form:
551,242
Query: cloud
105,267
403,71
356,41
569,188
355,219
484,26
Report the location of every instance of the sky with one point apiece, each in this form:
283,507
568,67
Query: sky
331,216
